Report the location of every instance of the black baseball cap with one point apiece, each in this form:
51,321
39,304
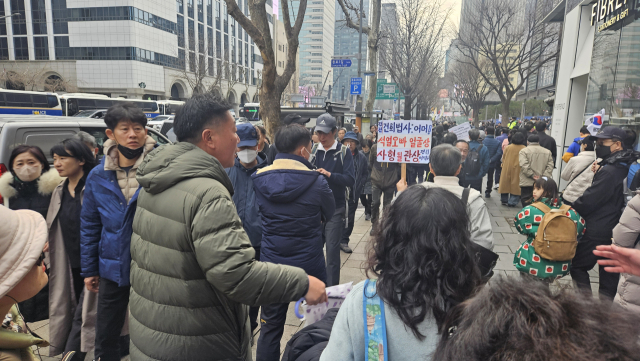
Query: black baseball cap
612,133
326,123
295,119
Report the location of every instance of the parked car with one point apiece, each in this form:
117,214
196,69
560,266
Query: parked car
95,114
157,122
45,131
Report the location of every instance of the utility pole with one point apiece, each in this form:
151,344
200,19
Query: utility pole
359,97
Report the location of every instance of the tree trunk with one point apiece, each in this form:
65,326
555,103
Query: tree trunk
505,109
476,116
407,106
270,109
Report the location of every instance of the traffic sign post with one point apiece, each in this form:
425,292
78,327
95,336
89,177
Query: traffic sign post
356,86
340,63
388,91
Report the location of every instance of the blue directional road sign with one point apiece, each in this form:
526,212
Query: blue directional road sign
340,63
356,86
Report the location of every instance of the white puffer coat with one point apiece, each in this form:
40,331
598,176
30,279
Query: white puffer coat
578,173
625,234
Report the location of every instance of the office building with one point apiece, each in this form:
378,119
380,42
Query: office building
131,48
346,44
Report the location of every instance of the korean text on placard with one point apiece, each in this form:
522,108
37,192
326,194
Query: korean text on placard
404,141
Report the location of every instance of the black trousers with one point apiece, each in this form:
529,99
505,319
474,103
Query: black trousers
254,311
365,199
490,174
584,261
74,340
498,173
346,232
272,320
476,184
112,310
526,196
375,204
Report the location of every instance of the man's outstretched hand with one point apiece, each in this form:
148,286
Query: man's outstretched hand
620,259
317,293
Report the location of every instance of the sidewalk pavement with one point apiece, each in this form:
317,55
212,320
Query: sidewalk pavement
506,241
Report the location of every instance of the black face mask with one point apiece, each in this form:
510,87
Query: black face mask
602,151
130,153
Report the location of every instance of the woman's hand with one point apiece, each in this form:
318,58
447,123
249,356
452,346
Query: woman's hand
620,259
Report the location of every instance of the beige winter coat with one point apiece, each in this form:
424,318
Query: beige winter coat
625,234
126,181
62,298
534,161
579,175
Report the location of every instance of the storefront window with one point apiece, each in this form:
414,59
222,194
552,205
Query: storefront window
614,80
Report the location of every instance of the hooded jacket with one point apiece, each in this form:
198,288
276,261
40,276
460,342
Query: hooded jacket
574,150
244,197
293,200
579,175
108,208
479,219
34,195
626,234
193,271
493,144
602,203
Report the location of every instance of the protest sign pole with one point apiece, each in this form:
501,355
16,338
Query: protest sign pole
403,171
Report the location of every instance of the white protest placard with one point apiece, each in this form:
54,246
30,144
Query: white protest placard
462,131
404,141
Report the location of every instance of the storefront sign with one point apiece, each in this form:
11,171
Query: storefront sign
603,8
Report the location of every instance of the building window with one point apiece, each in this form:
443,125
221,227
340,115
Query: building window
210,12
201,42
218,45
180,31
226,47
39,17
210,66
3,22
225,18
181,59
209,41
21,48
190,8
41,47
4,49
240,53
180,6
218,14
19,22
200,11
192,35
246,54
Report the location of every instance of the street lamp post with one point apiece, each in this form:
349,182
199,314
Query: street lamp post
359,96
10,15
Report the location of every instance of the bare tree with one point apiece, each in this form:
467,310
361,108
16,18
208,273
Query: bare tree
247,84
24,76
57,84
258,28
231,77
372,30
413,50
468,87
513,40
196,69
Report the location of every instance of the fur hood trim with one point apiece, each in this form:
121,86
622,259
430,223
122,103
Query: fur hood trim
46,184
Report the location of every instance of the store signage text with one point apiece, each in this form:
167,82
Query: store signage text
603,8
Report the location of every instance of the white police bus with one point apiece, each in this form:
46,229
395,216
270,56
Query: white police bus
73,103
29,103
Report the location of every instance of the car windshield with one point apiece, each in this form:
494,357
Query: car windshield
85,113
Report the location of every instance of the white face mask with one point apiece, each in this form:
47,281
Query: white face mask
247,155
310,157
28,173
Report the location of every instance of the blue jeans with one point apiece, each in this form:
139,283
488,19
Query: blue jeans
509,199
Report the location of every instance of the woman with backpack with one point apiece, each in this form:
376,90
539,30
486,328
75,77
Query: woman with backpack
528,222
424,231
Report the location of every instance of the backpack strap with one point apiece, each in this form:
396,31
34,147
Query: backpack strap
314,149
375,327
565,208
465,196
541,206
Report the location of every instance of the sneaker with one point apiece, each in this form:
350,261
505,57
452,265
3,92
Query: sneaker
345,248
487,195
504,204
367,217
496,186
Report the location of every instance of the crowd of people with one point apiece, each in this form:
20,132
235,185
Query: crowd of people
181,251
